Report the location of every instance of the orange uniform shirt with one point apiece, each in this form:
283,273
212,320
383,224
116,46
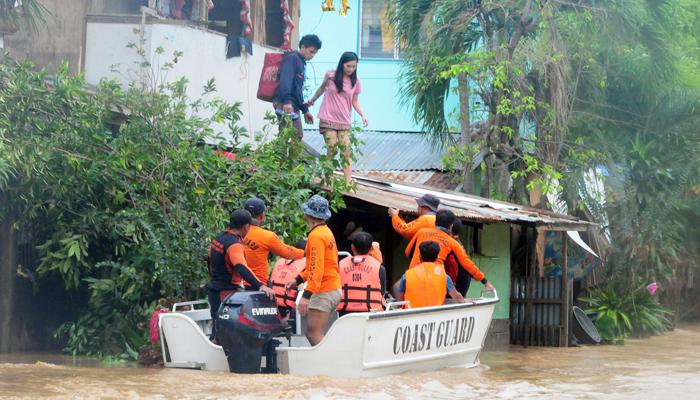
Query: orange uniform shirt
321,272
447,245
426,285
235,255
409,229
259,243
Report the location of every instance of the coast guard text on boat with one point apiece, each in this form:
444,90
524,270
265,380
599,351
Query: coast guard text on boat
423,337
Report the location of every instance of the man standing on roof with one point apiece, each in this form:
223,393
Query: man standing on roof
289,96
444,220
363,278
259,242
227,264
426,284
322,293
427,207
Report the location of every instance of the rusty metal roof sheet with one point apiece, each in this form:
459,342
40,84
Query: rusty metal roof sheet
387,151
466,207
434,179
388,157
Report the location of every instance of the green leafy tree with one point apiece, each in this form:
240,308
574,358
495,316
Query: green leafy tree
567,88
637,107
122,190
507,56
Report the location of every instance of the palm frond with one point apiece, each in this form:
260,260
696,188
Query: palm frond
30,13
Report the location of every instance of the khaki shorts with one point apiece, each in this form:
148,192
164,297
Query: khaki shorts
326,301
325,126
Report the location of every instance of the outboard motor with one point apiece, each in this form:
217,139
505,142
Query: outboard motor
246,325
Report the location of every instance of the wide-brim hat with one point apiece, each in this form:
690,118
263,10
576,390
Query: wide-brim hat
429,200
316,207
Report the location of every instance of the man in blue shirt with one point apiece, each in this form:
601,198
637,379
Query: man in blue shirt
289,97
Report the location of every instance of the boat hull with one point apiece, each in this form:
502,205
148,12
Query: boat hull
376,344
356,345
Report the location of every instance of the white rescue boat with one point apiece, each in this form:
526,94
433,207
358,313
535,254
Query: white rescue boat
356,345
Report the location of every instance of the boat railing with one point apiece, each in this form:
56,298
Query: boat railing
343,254
190,304
493,291
397,304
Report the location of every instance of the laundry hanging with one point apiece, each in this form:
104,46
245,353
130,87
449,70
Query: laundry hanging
246,38
289,25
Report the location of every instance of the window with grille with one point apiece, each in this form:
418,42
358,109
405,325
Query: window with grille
377,39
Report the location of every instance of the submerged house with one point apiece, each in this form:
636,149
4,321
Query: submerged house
397,164
500,237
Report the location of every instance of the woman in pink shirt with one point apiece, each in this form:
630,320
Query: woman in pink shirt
342,89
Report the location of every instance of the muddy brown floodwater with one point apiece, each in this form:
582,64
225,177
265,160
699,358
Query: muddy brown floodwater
665,367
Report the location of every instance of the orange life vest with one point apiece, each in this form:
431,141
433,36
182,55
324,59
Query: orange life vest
283,272
426,285
361,288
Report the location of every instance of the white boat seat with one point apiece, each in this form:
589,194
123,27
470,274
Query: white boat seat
202,316
187,345
197,315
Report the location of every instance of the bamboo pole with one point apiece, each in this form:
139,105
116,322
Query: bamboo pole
565,306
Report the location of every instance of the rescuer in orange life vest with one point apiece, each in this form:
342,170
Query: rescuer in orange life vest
322,293
427,207
260,242
363,278
284,270
427,283
441,235
227,264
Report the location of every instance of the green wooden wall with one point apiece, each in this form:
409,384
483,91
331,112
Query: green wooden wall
494,262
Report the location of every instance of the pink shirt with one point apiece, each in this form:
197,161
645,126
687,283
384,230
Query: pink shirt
337,107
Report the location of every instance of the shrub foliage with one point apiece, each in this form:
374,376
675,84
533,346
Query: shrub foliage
121,190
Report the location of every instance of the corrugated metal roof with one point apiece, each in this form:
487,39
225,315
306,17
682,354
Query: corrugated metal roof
387,151
435,179
467,207
409,159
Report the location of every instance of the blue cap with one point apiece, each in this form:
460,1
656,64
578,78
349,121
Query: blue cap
255,206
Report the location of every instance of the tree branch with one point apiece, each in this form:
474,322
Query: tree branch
521,28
